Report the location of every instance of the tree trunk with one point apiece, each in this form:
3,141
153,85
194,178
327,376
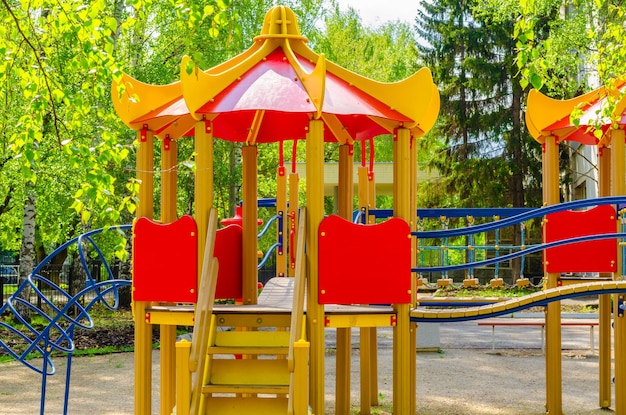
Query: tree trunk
519,165
27,250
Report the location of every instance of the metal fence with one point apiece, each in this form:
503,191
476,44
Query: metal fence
69,277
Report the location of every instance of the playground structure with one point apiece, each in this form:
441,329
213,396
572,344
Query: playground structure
314,100
276,91
61,316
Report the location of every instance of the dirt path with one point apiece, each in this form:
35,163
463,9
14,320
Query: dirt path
457,381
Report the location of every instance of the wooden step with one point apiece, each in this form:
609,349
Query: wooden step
259,351
250,343
252,338
269,372
238,406
250,389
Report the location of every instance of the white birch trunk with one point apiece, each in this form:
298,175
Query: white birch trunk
27,251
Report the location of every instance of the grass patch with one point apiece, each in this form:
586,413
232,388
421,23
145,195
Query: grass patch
485,291
8,289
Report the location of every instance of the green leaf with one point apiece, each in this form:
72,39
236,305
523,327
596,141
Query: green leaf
536,80
189,67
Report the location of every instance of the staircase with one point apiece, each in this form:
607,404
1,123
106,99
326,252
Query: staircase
254,359
247,369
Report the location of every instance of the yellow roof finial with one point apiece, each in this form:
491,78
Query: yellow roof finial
280,22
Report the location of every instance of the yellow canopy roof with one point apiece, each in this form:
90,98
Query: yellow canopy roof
270,92
546,116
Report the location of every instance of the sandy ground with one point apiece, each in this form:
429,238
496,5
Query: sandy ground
465,377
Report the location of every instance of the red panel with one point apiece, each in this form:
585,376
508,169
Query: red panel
228,251
165,260
592,256
364,264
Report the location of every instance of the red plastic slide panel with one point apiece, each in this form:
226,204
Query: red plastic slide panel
228,251
591,256
364,264
165,261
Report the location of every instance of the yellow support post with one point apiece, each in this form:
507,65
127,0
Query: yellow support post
344,335
143,330
618,188
294,202
553,310
315,214
363,189
412,227
368,343
301,371
183,378
281,206
169,158
203,188
373,349
250,226
403,356
604,301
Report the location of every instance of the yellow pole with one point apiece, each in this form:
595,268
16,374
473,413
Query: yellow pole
373,348
553,310
371,194
250,227
402,359
143,330
618,187
294,202
363,190
203,188
281,206
169,156
315,214
365,338
604,301
344,335
169,174
412,226
183,377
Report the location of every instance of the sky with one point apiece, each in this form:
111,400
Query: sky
376,12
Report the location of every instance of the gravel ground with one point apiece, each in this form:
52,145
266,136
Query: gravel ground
459,379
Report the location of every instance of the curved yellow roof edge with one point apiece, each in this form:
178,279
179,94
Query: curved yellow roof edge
397,95
543,111
199,87
138,98
432,113
177,129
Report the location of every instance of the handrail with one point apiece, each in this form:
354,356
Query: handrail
540,298
529,249
267,225
203,315
299,285
297,325
522,217
268,253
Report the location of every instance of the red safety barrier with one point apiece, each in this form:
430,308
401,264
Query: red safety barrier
364,264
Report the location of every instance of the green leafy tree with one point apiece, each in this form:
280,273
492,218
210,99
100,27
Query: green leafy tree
479,146
386,53
66,160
